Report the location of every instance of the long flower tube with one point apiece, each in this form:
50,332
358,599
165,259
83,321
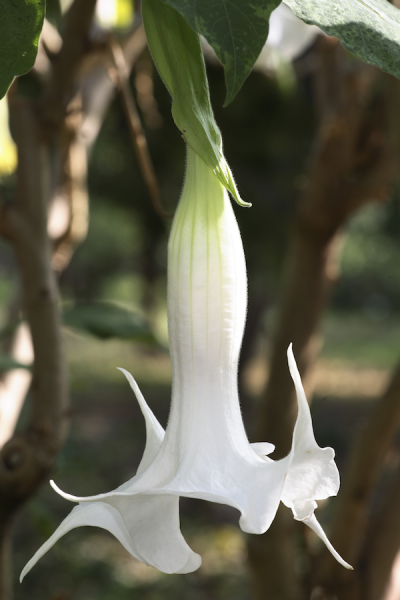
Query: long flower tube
205,452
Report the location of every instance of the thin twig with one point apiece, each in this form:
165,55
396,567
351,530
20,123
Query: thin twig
136,129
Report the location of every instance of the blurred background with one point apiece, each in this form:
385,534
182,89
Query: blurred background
113,300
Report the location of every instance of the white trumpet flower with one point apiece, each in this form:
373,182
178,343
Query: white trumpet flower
205,452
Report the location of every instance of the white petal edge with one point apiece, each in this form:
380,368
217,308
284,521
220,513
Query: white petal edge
152,534
154,431
87,514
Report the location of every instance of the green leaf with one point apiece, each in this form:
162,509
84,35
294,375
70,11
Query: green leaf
236,29
21,22
177,52
370,29
7,363
105,320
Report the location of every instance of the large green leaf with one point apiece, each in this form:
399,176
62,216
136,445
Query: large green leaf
236,29
368,28
107,320
176,50
21,22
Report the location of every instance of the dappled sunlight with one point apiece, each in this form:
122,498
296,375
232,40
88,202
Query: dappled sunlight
330,378
356,358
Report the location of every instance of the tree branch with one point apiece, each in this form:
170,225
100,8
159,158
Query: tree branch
136,129
66,65
382,545
351,164
27,458
366,459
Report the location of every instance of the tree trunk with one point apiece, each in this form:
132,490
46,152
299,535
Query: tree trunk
352,164
350,526
5,559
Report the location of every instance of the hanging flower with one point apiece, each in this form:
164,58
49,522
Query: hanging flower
205,452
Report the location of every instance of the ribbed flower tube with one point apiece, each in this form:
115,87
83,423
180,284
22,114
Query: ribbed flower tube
205,452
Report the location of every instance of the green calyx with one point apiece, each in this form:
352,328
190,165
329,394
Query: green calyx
177,52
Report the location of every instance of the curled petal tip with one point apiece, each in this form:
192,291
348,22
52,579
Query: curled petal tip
243,203
63,494
56,488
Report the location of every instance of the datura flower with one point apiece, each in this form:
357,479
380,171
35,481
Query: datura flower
204,452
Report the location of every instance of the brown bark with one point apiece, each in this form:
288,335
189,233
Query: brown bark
382,547
371,549
27,458
267,582
58,119
66,66
351,164
5,558
350,525
71,190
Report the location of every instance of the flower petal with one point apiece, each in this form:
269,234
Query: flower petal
97,514
153,524
262,449
147,526
154,432
313,474
316,527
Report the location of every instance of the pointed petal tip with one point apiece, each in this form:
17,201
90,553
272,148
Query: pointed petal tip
131,381
292,362
125,372
28,567
313,524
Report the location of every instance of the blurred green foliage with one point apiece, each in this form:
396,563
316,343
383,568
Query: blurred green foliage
268,132
105,320
370,278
